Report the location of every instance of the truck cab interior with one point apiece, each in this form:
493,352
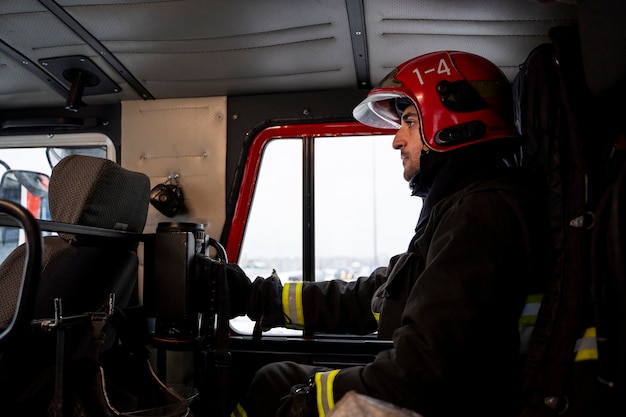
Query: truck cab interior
223,109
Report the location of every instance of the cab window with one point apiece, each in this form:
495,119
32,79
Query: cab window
362,213
26,163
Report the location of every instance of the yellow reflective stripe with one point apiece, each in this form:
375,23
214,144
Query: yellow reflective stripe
324,391
587,347
292,305
527,320
376,315
531,309
239,412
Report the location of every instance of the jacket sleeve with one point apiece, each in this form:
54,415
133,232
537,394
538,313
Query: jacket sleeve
458,335
333,306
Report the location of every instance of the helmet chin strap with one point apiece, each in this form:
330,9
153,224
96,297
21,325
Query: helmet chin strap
416,183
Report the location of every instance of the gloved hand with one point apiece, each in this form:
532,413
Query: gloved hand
239,289
301,402
265,304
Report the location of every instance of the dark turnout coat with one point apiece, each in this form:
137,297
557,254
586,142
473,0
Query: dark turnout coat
451,303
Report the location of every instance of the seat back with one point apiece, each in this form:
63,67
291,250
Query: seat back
574,364
79,269
23,310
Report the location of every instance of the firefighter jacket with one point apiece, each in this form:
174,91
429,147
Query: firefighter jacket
451,305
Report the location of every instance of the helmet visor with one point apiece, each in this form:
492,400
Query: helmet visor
379,110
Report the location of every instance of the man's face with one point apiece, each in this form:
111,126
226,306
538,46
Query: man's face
408,141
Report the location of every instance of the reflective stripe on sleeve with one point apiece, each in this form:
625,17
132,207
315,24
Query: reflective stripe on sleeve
587,347
239,412
292,305
531,309
324,391
527,320
376,315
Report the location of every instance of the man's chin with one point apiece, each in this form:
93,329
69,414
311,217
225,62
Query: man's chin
408,175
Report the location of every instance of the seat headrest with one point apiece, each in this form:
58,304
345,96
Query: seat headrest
97,192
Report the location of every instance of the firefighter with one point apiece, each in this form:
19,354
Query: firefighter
452,302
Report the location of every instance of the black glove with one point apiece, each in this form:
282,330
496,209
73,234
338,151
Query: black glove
265,304
301,402
239,289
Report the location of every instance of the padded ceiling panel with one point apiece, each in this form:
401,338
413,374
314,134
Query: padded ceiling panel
503,31
203,48
237,47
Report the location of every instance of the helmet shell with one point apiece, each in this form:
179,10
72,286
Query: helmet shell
461,99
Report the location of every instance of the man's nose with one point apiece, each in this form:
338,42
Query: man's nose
398,141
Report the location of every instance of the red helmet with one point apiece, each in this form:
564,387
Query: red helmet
461,99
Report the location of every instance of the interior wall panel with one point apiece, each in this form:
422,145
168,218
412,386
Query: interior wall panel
184,138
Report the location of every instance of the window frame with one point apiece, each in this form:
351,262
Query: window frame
61,140
253,157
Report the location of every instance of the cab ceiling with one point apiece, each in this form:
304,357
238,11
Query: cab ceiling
158,49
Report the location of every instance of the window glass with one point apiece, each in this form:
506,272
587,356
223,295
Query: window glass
364,213
26,163
273,237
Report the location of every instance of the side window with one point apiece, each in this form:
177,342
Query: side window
273,238
26,163
363,211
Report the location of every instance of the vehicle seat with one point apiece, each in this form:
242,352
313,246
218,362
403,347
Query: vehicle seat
79,269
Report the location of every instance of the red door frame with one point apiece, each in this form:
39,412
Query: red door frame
253,161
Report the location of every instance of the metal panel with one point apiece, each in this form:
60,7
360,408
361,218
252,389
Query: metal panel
184,137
